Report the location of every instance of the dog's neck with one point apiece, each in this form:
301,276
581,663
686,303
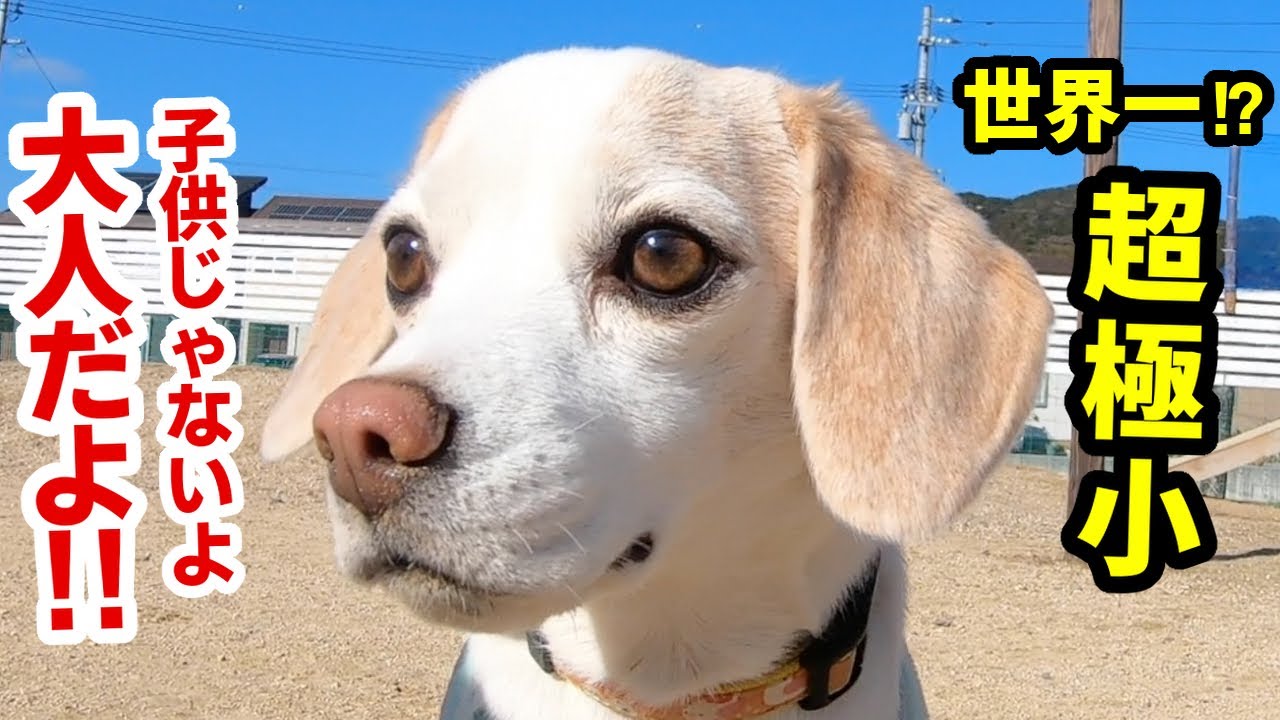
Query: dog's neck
734,603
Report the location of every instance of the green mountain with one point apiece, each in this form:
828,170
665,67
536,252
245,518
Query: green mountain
1038,224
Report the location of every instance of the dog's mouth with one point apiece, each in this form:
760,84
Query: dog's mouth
394,563
391,564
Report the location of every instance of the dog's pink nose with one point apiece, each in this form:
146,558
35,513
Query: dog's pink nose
374,432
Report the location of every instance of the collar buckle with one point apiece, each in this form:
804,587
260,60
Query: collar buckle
817,660
539,651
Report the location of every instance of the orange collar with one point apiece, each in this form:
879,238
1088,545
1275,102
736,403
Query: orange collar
823,670
787,685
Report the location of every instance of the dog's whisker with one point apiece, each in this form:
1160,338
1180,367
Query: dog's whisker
523,540
565,492
576,596
587,422
571,537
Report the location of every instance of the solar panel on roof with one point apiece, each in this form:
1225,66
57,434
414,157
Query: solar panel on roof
289,212
354,214
323,212
319,210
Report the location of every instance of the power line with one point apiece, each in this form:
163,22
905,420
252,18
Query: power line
308,170
1168,136
1215,23
300,45
158,27
369,52
16,11
40,67
1190,141
877,90
1163,129
1172,23
96,14
1140,48
261,45
963,21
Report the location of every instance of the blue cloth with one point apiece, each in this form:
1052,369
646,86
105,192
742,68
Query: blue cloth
462,699
911,695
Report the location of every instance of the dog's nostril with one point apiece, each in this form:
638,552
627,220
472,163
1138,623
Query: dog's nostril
636,553
377,447
412,440
323,447
640,549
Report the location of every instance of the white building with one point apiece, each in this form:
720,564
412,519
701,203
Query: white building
284,253
287,248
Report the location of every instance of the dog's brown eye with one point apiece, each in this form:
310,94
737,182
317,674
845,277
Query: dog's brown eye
669,262
407,268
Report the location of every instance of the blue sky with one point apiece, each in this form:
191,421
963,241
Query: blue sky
345,126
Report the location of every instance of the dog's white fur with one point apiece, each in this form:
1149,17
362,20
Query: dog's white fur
848,389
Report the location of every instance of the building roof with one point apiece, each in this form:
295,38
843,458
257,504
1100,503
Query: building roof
348,217
283,214
245,184
303,207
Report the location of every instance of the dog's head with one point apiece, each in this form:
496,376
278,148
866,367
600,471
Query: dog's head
617,284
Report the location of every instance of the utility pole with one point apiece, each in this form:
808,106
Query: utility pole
1217,486
1229,242
1106,18
4,19
920,98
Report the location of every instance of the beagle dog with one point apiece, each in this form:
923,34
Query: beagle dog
643,377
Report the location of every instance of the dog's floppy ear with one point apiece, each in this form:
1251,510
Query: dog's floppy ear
353,324
920,339
351,327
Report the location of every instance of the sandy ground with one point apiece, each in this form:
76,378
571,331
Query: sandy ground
1002,623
